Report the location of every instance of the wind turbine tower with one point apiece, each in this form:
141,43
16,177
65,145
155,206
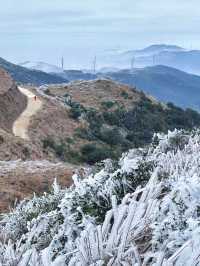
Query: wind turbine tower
132,63
154,60
62,62
94,64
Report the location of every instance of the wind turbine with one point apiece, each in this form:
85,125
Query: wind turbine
94,63
132,63
62,62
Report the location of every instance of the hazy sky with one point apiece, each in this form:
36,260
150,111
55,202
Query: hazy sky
78,29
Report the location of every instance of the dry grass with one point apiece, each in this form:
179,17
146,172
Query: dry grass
91,94
20,179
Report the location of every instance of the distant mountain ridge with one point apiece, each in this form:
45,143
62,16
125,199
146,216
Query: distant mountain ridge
156,54
155,49
42,66
165,83
28,76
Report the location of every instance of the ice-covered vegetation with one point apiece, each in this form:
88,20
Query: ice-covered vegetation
144,210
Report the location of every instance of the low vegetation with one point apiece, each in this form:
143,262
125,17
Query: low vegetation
114,127
141,210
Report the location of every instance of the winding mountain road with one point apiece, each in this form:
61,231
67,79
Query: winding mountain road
20,126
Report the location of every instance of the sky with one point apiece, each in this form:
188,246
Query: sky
46,30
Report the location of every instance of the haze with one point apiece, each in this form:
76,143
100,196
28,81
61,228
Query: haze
45,30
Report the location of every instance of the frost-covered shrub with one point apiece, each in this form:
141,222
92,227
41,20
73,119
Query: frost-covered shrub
15,224
143,211
173,141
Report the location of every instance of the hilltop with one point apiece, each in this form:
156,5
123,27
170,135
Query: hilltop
167,84
88,121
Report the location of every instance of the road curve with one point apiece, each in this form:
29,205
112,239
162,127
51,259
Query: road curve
21,125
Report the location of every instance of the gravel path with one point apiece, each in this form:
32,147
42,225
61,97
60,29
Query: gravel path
20,126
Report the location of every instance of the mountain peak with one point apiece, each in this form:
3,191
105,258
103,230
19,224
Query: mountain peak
42,66
156,47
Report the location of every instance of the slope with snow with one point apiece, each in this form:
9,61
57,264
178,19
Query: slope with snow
142,211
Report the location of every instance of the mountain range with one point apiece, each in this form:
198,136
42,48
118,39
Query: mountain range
161,54
167,84
28,76
153,74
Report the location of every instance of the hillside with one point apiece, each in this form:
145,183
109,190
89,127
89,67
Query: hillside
19,179
142,210
165,83
77,125
12,102
88,121
27,76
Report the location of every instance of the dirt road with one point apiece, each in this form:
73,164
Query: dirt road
20,126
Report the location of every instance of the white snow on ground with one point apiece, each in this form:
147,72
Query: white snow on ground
143,211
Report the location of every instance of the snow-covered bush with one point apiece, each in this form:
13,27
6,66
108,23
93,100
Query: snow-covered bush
144,211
